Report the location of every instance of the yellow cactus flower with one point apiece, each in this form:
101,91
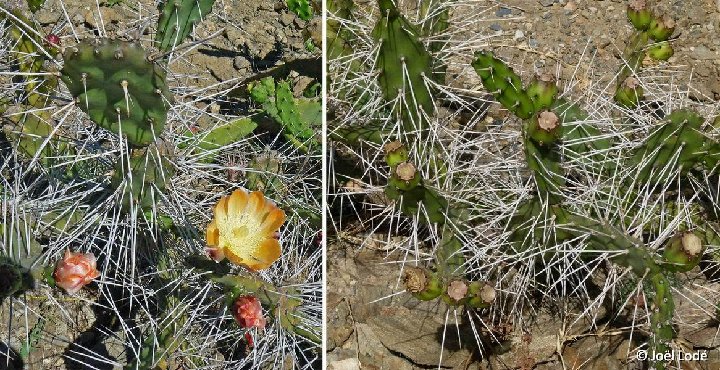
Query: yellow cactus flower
244,230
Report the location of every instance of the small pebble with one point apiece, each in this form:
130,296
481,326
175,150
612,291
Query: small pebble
502,12
519,35
495,27
547,2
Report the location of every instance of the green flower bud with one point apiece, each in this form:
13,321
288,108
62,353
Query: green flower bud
629,93
481,295
660,51
395,153
543,91
405,177
544,128
639,14
661,29
682,252
423,285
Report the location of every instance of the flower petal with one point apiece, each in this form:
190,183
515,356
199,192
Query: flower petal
233,256
221,210
273,221
255,205
212,235
237,202
264,256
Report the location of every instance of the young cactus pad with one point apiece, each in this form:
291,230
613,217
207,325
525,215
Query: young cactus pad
177,19
403,63
118,87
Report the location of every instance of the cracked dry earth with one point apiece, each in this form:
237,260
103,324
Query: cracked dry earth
581,40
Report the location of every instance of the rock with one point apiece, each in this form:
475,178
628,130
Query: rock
287,19
502,12
338,313
702,52
495,27
519,35
241,64
372,353
346,364
417,334
593,353
547,2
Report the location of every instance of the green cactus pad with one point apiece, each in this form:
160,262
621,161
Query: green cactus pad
504,84
145,173
11,278
677,144
114,83
543,92
582,141
299,117
177,19
302,8
404,63
548,174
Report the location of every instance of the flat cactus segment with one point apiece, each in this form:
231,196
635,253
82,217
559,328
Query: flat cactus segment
677,144
118,87
177,19
299,117
219,136
585,142
143,172
339,40
302,8
505,85
661,318
372,132
403,62
545,164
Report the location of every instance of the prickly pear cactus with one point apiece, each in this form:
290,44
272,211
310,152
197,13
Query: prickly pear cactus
118,87
403,63
299,117
177,20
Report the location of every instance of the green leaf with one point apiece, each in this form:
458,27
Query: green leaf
300,7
